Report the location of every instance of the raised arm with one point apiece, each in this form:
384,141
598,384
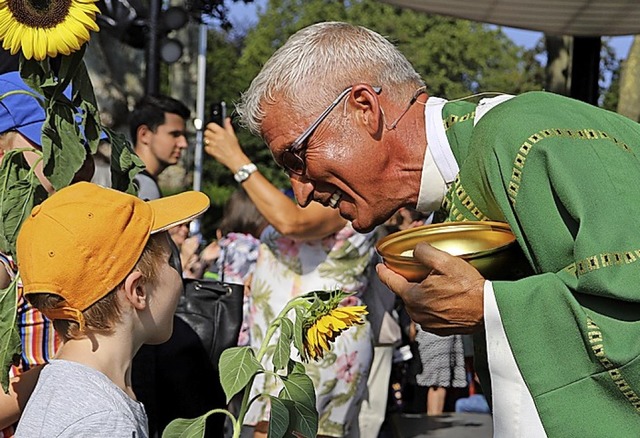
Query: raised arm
310,223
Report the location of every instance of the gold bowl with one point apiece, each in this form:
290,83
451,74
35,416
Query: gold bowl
490,247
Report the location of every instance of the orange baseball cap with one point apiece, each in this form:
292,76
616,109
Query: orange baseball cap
85,239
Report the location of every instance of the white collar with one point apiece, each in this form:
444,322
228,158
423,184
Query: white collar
440,167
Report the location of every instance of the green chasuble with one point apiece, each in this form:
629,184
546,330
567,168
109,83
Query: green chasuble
565,175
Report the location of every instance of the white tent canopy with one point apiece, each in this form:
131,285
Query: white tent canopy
558,17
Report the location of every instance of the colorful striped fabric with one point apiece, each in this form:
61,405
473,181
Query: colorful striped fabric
39,341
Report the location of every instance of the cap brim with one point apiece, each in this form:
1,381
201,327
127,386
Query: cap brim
177,209
33,131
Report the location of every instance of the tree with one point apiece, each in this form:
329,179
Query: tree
629,101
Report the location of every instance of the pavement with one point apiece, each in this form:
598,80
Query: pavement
449,425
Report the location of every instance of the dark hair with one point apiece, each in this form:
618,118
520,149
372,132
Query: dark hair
150,111
241,216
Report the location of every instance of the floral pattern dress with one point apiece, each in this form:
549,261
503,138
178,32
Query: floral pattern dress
236,263
287,268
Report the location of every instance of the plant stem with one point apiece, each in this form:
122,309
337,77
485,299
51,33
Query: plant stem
276,324
244,406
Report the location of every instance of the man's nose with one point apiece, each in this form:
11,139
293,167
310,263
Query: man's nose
182,142
303,190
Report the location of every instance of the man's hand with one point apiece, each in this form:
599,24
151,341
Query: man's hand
449,301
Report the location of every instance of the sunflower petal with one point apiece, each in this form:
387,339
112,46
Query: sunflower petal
26,42
14,38
86,18
322,342
40,44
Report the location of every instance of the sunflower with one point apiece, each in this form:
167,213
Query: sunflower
46,27
327,327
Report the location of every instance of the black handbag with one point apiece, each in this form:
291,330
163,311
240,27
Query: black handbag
213,310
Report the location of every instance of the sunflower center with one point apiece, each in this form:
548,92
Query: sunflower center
40,13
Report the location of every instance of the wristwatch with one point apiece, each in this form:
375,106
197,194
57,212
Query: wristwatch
244,172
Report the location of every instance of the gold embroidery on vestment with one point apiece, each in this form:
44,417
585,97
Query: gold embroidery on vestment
465,201
603,260
453,119
521,156
595,338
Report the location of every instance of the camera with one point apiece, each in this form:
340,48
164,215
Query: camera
217,113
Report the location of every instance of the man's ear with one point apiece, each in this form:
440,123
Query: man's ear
143,134
368,110
135,291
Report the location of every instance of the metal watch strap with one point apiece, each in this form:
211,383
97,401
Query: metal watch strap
244,172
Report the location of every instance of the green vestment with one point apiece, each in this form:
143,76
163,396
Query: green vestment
565,175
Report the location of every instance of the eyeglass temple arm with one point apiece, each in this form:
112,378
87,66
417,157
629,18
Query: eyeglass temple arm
324,114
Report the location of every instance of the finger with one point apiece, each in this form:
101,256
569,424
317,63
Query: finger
228,126
396,282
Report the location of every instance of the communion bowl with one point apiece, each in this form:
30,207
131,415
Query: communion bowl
490,247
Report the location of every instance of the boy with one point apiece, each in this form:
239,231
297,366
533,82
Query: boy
100,264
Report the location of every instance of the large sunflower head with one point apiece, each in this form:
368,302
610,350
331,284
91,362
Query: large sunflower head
44,28
326,320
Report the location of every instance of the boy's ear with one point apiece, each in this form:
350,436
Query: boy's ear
134,290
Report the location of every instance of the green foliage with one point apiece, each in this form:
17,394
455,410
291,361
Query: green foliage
72,128
283,346
238,366
125,164
9,336
279,420
186,428
20,191
609,65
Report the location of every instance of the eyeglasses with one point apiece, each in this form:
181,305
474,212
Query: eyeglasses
293,158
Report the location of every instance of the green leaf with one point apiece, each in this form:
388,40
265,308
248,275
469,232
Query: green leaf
20,191
69,68
296,367
190,428
38,75
186,428
125,164
9,336
237,366
303,420
298,336
85,100
299,388
62,145
279,420
283,346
